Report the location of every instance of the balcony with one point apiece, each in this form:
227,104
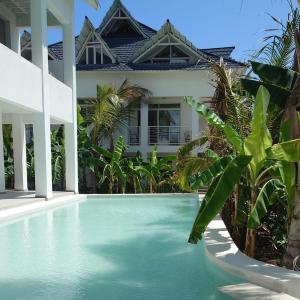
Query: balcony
134,135
168,135
20,81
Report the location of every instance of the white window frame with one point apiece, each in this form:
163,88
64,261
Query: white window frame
95,46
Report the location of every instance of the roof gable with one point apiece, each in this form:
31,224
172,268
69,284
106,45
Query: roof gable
87,33
166,36
25,42
118,22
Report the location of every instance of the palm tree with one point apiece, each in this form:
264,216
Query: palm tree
111,110
279,44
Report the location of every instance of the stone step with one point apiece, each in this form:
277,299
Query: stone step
249,291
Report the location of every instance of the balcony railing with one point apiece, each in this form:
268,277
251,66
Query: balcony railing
134,135
168,135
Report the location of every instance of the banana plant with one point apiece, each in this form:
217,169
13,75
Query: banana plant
113,170
158,169
136,172
251,155
284,87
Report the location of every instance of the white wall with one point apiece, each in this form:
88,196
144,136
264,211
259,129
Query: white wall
20,81
161,84
166,87
60,100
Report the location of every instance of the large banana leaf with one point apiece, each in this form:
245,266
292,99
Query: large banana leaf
191,166
272,192
204,178
278,95
118,150
287,151
288,175
278,81
260,138
281,77
188,147
214,120
217,198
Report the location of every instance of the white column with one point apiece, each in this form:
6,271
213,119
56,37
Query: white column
19,147
144,130
195,120
2,169
14,37
41,127
71,128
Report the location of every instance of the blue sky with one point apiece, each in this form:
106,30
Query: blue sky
212,23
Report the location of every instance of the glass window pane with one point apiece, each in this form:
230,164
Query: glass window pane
169,118
82,60
165,53
90,59
176,52
152,118
98,55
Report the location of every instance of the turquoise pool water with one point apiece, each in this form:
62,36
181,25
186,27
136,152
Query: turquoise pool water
110,248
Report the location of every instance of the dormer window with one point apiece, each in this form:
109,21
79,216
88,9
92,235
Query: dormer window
121,24
171,55
94,54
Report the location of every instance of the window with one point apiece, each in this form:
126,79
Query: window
171,55
164,123
164,115
93,54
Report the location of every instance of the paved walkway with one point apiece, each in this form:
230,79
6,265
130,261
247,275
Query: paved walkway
12,199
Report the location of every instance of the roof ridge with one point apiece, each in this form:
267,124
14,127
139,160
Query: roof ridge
118,4
166,28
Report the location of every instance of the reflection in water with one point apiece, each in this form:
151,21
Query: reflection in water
127,248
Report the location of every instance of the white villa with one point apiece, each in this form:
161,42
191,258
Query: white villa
38,82
163,61
29,94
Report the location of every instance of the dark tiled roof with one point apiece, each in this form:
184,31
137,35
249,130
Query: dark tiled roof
154,67
126,49
221,52
57,48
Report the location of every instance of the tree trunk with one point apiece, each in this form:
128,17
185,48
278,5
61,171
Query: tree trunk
293,248
251,233
110,187
94,183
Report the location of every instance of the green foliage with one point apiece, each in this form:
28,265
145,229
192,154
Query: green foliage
271,192
231,135
259,139
201,179
214,202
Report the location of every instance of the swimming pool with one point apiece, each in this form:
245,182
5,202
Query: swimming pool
108,248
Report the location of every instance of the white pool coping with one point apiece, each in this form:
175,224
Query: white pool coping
221,250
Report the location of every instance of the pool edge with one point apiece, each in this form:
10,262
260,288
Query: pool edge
222,251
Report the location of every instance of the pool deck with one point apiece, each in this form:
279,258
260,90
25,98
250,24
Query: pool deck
13,199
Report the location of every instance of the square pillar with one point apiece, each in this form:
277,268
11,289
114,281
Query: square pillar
195,122
144,130
41,120
19,147
2,168
14,37
70,128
